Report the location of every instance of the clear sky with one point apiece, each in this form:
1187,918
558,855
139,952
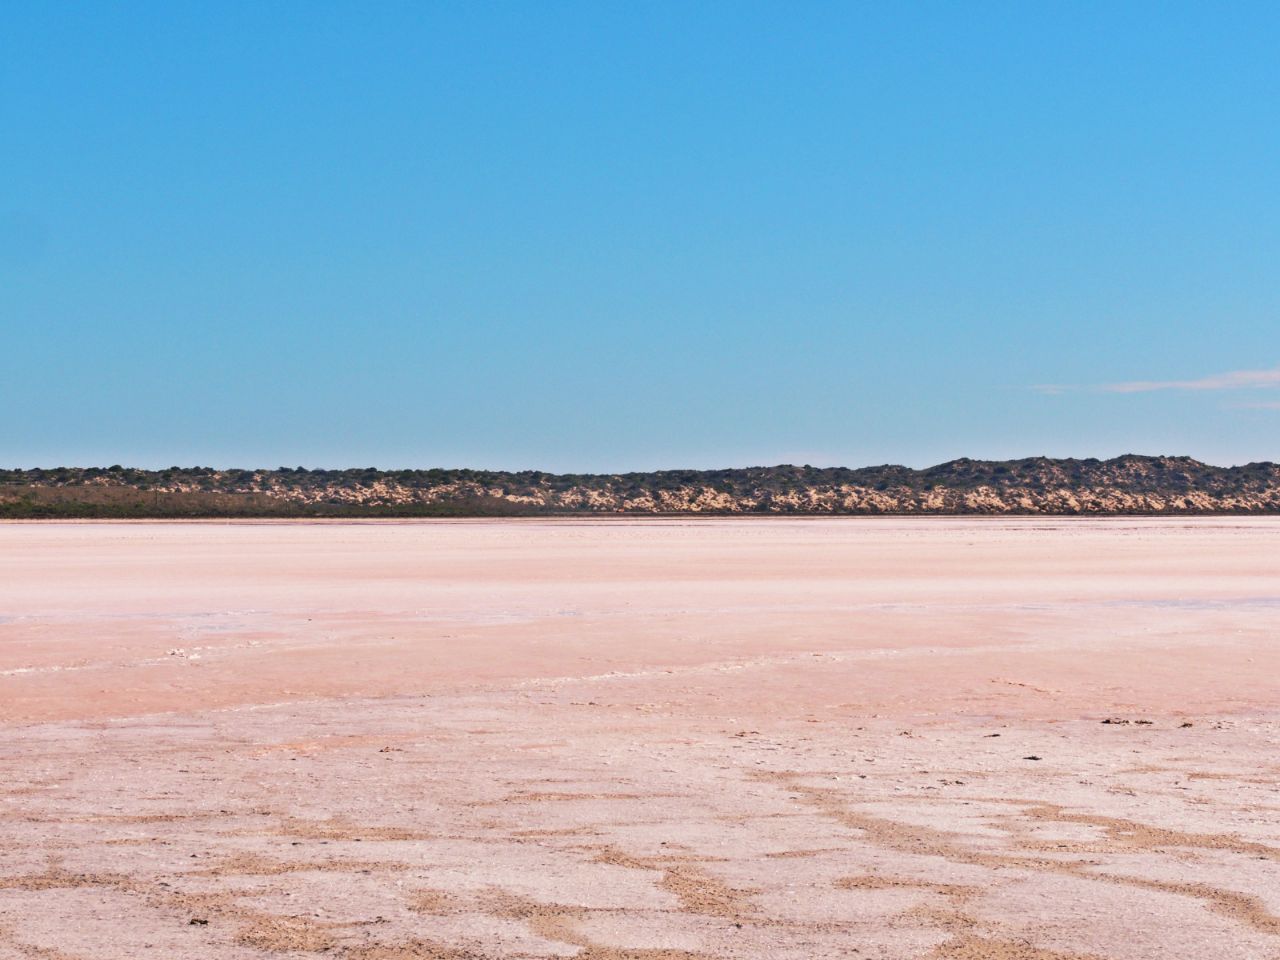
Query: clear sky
607,236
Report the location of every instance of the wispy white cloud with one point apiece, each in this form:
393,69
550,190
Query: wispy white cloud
1261,405
1232,380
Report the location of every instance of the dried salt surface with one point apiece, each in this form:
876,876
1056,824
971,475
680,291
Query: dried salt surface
641,740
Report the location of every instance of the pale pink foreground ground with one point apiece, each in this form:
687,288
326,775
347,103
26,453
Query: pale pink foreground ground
646,740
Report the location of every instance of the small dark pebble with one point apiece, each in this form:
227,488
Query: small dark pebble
197,922
1033,757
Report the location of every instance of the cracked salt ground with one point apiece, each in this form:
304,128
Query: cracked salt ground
609,792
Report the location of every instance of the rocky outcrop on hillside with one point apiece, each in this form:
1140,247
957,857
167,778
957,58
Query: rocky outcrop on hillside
1038,485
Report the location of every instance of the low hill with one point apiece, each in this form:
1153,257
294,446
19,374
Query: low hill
1037,485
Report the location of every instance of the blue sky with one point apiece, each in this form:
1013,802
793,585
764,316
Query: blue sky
608,236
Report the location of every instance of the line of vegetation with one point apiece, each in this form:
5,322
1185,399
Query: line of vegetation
1038,485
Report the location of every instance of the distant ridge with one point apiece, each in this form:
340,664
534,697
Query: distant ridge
1127,485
